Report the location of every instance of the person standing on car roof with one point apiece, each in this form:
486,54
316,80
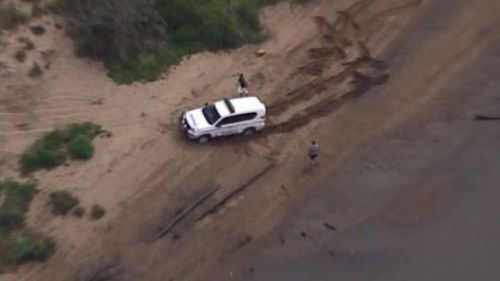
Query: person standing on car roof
242,87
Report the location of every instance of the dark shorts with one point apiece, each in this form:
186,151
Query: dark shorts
313,156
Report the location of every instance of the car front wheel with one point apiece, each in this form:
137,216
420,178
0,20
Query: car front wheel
204,139
248,131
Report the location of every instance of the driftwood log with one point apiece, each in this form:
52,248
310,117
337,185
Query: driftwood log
228,197
167,228
487,118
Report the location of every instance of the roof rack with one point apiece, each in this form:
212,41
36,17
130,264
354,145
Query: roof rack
229,105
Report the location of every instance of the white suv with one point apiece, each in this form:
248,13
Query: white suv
225,117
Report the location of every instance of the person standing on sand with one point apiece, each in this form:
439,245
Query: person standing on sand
242,87
313,152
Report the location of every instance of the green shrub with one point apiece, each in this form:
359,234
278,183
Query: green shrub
37,29
145,67
35,71
55,147
22,247
17,244
81,148
212,25
42,155
79,212
20,55
139,40
97,212
62,202
32,247
113,30
14,203
88,129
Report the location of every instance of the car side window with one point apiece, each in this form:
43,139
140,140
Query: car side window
237,118
248,116
224,121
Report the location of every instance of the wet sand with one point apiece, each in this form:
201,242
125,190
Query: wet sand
458,241
445,222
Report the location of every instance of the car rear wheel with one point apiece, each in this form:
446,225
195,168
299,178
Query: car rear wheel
204,139
248,131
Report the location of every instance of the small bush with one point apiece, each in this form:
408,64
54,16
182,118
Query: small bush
10,17
32,247
42,155
28,44
79,212
37,29
23,246
20,55
18,244
57,146
81,148
88,129
106,134
97,212
62,202
35,71
14,203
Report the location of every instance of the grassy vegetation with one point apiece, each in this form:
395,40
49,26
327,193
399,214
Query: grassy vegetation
10,17
140,39
144,67
15,200
24,246
56,147
17,243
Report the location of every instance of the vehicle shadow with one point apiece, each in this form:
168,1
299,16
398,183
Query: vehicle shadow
237,139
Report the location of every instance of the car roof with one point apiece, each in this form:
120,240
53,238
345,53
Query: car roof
240,105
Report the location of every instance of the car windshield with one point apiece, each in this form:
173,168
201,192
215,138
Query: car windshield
211,114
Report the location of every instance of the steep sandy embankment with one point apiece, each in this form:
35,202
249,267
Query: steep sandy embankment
341,72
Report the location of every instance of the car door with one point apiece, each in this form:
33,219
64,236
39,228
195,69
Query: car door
234,124
227,126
